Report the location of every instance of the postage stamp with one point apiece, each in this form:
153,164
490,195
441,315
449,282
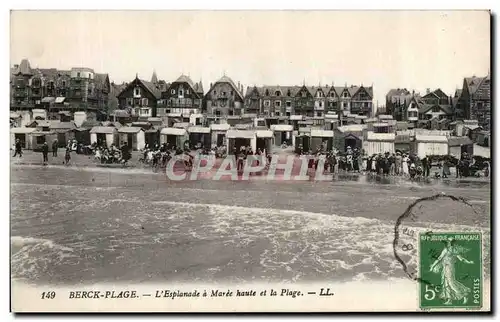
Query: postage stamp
451,270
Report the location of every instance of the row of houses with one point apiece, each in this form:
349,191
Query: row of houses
83,90
436,109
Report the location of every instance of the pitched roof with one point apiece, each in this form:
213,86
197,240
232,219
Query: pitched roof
103,129
225,79
63,125
198,88
473,83
273,89
129,129
101,80
185,79
152,88
154,77
398,92
24,68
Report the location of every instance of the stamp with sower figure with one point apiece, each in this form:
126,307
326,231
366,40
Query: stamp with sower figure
451,266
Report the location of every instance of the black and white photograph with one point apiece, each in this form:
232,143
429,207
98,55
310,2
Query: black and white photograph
250,161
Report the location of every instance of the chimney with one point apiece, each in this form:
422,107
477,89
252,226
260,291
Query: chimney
427,91
210,85
16,65
413,92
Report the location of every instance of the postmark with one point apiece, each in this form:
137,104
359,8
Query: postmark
451,264
422,217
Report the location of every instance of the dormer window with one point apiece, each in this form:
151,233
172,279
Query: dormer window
288,93
304,94
172,91
267,92
63,83
345,95
277,93
332,94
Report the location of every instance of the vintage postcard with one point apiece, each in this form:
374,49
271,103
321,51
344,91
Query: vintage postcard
250,161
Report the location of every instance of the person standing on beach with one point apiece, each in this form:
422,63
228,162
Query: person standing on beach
45,153
54,148
18,149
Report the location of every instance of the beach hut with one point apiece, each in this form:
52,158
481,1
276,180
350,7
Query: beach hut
101,135
65,132
21,134
219,132
283,133
264,140
238,138
200,134
402,141
349,136
132,136
424,145
321,138
457,145
376,143
173,136
38,138
302,137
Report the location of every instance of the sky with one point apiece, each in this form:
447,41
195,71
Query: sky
386,49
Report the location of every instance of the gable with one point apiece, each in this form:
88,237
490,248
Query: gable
128,90
303,91
176,86
362,93
439,93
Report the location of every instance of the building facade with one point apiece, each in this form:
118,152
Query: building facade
140,98
475,101
183,96
224,98
59,91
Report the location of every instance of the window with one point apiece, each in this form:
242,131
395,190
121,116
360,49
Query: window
288,93
181,92
215,92
345,95
51,84
187,91
320,114
320,104
277,103
304,94
288,104
172,91
78,74
277,93
320,94
230,112
89,91
40,139
137,91
36,82
267,92
217,113
145,102
332,94
267,103
278,114
436,109
144,111
288,113
224,94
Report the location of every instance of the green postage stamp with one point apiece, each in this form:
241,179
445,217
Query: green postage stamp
451,272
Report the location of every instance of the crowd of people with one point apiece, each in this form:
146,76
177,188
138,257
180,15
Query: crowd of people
399,163
392,164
